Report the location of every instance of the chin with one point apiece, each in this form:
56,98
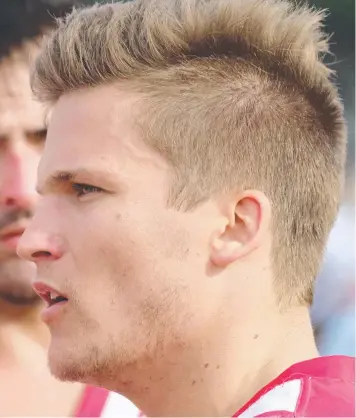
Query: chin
85,363
66,365
71,360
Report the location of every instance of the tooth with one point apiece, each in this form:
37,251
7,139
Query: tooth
54,295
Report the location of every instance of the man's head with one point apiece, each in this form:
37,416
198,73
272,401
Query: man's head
22,134
191,175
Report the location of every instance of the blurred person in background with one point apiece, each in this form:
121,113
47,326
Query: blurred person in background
26,386
192,173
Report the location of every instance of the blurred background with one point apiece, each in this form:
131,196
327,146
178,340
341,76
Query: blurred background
333,311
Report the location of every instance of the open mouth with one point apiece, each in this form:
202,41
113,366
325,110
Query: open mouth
52,298
56,302
49,295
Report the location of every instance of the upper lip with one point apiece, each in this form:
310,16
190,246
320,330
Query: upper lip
44,291
13,229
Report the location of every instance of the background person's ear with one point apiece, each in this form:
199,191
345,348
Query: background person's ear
248,217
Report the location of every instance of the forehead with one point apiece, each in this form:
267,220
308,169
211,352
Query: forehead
95,128
17,106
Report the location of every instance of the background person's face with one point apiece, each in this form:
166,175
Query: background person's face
134,271
22,136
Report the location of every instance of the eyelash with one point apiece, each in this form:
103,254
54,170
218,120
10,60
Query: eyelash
79,189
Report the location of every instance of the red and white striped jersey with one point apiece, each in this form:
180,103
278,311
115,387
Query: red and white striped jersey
322,387
98,402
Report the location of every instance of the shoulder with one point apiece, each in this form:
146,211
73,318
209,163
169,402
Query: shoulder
314,388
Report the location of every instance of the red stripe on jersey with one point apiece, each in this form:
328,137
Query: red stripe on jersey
92,402
328,388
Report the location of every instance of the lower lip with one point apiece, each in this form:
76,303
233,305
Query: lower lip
11,241
51,313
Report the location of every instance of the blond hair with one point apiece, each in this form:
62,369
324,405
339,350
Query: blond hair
236,96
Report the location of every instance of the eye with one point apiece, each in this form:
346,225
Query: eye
82,189
37,137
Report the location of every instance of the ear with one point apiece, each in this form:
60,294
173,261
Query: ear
247,218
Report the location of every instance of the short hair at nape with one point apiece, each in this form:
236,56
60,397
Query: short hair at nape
235,94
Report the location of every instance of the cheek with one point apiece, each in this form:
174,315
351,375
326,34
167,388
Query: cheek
142,272
123,256
109,259
136,257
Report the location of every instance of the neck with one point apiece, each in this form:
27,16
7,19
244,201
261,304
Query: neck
220,375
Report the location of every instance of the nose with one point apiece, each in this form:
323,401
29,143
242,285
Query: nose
18,171
36,246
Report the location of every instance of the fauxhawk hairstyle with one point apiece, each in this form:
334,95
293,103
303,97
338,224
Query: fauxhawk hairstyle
235,95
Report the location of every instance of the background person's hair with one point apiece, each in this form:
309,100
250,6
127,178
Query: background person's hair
235,96
22,20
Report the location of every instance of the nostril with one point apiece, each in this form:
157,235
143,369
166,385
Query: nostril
41,254
10,201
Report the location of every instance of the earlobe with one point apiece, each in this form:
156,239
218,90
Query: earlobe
247,219
224,253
